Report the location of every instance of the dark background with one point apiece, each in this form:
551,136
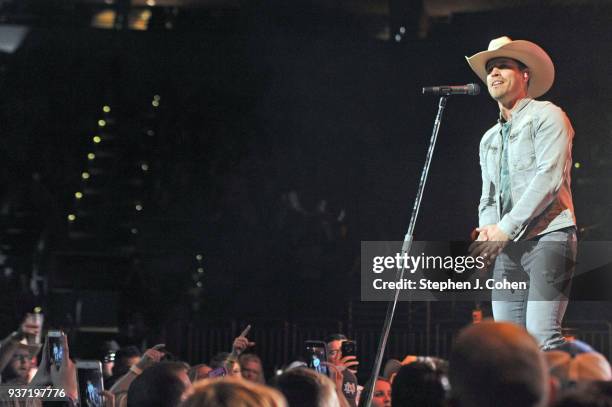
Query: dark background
259,103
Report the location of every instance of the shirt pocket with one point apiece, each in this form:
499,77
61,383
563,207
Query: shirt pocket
492,161
521,149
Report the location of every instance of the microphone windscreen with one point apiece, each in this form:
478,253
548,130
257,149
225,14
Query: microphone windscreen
473,89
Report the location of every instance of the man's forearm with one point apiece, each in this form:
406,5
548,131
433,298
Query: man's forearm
8,346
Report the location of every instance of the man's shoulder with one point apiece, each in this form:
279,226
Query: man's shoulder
544,107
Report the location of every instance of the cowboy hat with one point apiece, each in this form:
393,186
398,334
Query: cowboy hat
541,68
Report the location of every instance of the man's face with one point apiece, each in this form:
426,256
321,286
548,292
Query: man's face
21,364
334,352
505,80
251,370
234,369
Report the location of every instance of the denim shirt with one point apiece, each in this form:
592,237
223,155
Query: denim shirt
539,164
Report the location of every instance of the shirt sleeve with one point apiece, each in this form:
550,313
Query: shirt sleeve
487,209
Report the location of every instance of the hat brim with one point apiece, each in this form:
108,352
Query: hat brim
541,67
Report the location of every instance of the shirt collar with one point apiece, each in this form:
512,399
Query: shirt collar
519,106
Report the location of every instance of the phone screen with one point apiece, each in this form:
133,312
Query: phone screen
316,356
90,386
56,348
218,372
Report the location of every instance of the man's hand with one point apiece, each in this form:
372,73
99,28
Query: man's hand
151,356
109,398
66,377
348,362
494,233
491,241
240,344
42,378
29,328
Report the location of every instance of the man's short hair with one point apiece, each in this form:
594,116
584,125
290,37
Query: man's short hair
497,364
304,387
229,392
127,352
587,394
419,384
335,337
249,357
158,386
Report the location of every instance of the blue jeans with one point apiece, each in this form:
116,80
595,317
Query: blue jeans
546,263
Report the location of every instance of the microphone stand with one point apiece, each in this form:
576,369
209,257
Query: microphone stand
382,344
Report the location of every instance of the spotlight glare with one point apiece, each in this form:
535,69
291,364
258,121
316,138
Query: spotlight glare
71,217
144,166
101,122
78,195
577,165
155,103
138,207
91,156
85,175
97,139
200,270
106,109
199,257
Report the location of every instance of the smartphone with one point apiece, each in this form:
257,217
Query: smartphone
56,347
315,354
349,348
218,372
90,381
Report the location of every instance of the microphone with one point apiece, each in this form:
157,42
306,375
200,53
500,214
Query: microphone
471,89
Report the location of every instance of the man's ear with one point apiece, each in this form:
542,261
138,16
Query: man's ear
526,77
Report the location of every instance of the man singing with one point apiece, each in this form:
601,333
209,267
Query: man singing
525,159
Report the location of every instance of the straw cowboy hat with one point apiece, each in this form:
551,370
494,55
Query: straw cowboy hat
541,68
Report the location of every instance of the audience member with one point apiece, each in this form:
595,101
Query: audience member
420,384
231,392
568,370
251,368
382,394
125,358
303,387
226,361
343,363
199,372
391,368
18,369
121,386
16,355
58,377
334,353
164,384
497,364
587,394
